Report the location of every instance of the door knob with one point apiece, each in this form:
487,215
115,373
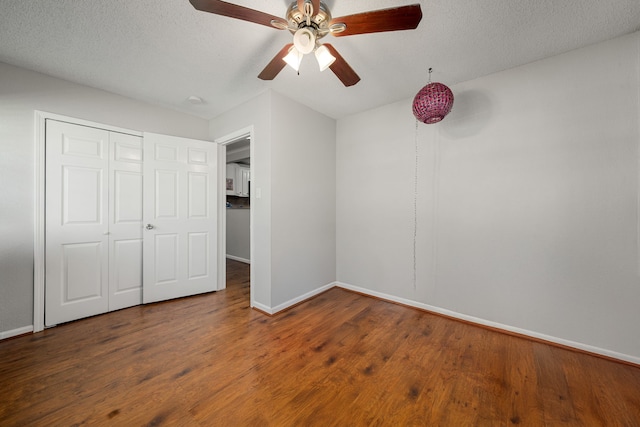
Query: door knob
149,227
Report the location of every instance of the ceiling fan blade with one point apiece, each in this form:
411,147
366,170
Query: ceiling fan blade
219,7
341,69
276,65
316,6
378,21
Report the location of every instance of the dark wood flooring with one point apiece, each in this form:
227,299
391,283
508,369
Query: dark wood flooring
340,359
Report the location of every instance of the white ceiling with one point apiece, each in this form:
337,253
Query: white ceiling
163,51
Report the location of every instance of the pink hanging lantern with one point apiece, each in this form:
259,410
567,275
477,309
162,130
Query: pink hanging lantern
433,102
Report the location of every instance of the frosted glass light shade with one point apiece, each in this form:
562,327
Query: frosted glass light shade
304,40
324,57
293,58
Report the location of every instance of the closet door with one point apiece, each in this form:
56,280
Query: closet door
180,217
125,220
94,247
77,222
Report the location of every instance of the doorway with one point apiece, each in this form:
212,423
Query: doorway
236,232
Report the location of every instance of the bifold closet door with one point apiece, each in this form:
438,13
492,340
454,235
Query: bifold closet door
77,222
180,217
93,249
96,249
125,220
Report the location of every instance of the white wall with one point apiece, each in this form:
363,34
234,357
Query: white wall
22,92
527,200
303,160
293,168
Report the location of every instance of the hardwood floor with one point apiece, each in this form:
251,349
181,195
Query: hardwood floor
339,359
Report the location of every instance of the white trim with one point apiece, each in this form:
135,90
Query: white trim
237,258
39,221
244,133
638,156
262,307
39,203
479,321
294,301
15,332
222,216
301,298
235,136
81,122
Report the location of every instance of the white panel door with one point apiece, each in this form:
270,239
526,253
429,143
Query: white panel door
125,220
180,217
76,222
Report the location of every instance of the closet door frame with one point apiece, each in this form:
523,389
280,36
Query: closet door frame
39,203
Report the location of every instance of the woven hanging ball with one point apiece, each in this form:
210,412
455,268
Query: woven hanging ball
432,103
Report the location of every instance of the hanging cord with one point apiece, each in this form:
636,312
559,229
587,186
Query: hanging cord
415,207
415,202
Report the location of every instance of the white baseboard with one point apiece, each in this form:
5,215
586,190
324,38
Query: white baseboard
262,307
294,301
237,258
16,332
479,321
303,297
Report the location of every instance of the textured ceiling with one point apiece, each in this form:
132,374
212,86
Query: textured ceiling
163,51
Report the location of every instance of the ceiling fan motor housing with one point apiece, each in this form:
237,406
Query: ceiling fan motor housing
319,20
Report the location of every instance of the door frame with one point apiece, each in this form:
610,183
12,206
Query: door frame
40,205
240,134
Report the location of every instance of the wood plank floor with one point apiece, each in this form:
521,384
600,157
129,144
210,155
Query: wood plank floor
340,359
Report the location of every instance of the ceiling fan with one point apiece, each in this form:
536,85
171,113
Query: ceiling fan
311,20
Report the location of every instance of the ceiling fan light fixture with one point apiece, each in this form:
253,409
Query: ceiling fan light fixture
293,58
305,40
311,20
324,57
